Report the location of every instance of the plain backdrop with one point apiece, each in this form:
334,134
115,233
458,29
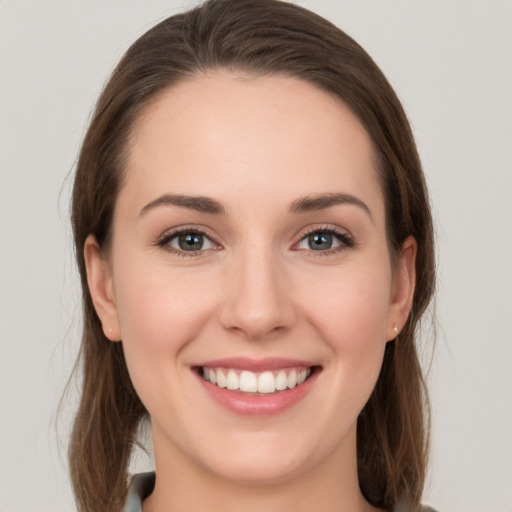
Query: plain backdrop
451,63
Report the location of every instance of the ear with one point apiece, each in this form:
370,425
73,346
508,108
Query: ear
99,279
404,283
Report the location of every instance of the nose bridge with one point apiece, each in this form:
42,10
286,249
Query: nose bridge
258,301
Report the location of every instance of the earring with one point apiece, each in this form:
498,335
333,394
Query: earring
395,329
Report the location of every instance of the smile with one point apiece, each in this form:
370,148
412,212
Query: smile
265,382
257,387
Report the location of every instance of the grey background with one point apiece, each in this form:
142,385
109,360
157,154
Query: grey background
451,64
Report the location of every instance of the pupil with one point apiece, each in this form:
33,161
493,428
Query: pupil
320,241
191,242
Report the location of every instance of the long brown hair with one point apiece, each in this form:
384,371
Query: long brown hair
262,37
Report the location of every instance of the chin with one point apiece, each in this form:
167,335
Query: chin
260,459
259,470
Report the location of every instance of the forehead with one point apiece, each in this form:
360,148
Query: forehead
233,136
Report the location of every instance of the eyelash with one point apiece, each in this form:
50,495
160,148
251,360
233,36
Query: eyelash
164,241
345,239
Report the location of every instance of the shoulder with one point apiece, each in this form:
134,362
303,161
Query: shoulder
402,507
141,486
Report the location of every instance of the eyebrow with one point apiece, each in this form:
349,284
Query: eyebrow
323,201
198,203
305,204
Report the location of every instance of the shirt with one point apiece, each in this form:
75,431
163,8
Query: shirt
142,486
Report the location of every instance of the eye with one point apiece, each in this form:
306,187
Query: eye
188,241
325,240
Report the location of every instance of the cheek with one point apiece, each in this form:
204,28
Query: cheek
350,314
160,312
347,314
157,307
351,307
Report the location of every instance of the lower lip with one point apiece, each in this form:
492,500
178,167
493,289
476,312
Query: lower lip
258,405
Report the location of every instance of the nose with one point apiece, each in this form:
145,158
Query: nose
258,296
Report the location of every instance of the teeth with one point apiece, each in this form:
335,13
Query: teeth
250,382
266,383
292,379
221,379
232,381
281,381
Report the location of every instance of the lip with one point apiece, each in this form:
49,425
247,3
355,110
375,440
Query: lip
256,365
257,405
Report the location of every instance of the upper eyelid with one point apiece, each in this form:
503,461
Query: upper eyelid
201,230
322,227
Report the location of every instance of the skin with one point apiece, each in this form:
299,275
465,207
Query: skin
258,289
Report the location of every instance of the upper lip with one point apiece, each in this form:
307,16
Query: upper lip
256,365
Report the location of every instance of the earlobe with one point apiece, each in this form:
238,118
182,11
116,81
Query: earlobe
403,288
99,280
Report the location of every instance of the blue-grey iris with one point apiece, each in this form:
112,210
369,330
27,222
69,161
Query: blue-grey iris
320,241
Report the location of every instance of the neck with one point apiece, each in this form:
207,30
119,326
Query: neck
327,485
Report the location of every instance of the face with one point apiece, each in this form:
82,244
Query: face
249,275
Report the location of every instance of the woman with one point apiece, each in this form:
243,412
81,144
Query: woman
255,245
